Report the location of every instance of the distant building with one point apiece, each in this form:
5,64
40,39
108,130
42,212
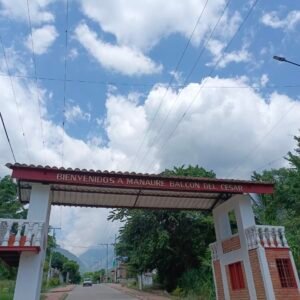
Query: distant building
122,272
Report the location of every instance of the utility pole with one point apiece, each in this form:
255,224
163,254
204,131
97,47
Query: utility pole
115,254
103,244
115,258
50,258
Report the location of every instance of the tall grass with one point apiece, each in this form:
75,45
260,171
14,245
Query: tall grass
7,289
198,284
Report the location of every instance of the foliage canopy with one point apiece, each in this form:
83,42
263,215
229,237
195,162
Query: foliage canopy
172,242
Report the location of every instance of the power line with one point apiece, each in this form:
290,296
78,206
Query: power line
149,84
270,163
7,137
210,74
35,74
261,141
65,79
170,82
89,81
15,97
146,84
189,75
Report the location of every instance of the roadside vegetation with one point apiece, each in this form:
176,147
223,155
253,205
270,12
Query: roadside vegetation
10,207
96,276
175,244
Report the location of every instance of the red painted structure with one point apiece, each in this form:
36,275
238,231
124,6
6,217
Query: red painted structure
136,181
75,187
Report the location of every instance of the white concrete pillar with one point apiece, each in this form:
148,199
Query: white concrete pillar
241,205
30,271
265,273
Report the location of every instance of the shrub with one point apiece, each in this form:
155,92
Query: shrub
178,292
196,284
53,282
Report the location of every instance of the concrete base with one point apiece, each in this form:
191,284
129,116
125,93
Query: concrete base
28,278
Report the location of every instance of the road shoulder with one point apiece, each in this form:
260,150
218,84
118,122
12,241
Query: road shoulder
141,295
59,293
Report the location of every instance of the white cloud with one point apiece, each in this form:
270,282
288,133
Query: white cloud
73,54
123,59
272,19
222,127
15,62
264,80
74,235
75,113
237,56
143,24
135,25
177,76
43,38
17,10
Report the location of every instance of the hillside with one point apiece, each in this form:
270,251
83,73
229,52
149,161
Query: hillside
95,258
82,266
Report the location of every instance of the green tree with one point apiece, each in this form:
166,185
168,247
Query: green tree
170,242
294,158
283,207
10,206
58,260
96,276
72,268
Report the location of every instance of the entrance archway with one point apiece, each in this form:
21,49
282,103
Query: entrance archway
242,262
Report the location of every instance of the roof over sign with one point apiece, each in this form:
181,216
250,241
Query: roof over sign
76,187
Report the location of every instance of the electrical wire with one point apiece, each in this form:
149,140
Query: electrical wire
170,83
146,84
65,80
210,74
35,74
15,98
261,141
88,81
187,78
7,137
270,163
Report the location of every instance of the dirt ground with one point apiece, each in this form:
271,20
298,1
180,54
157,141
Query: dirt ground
58,293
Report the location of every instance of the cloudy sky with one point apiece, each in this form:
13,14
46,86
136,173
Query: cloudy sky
146,85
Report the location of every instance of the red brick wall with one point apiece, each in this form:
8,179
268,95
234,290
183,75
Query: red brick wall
218,279
231,244
257,275
280,293
242,294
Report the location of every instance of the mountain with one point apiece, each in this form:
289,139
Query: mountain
82,266
96,258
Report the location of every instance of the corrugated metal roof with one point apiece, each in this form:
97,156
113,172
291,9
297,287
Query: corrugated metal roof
125,198
161,192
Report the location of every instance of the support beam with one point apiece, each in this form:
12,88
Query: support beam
30,271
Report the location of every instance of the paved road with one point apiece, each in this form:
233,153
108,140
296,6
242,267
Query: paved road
97,292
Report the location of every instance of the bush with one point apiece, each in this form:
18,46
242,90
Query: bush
178,292
196,284
53,282
6,289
